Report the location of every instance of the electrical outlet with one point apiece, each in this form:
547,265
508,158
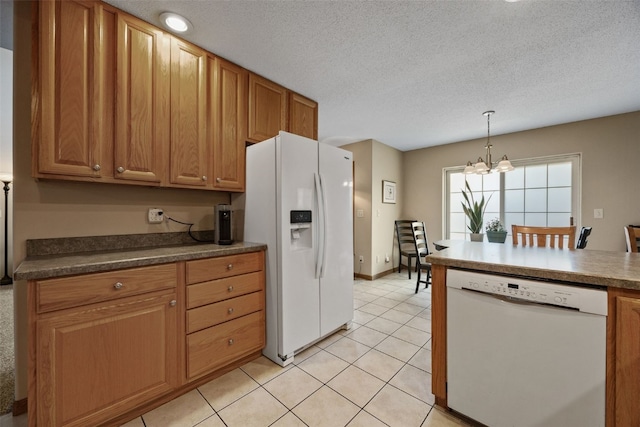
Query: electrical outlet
386,258
156,215
361,259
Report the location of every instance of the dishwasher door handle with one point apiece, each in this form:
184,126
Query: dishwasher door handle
518,301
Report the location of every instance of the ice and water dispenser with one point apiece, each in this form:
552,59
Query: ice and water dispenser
300,223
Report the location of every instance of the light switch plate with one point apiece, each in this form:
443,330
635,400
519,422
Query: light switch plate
598,213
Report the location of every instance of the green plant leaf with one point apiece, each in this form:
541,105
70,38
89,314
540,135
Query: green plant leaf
474,210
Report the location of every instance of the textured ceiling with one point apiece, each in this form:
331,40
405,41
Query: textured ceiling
413,74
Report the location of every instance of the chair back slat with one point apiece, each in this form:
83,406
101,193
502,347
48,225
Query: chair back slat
543,236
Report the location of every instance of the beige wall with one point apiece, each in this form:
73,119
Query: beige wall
610,148
373,232
387,165
362,232
47,209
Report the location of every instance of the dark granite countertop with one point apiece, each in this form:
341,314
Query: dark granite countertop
44,262
581,266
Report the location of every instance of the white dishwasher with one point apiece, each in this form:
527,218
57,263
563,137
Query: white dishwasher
524,352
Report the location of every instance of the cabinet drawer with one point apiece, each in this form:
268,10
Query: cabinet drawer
217,346
222,289
212,314
54,294
226,266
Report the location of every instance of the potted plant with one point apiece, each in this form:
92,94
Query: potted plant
495,231
475,212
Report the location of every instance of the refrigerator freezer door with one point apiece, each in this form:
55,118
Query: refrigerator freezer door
336,282
260,227
299,295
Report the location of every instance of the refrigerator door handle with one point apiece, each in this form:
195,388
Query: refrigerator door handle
316,180
323,225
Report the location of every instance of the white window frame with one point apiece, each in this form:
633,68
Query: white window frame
576,186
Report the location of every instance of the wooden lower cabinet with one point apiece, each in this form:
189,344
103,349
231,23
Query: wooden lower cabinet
98,361
623,358
225,318
107,347
214,347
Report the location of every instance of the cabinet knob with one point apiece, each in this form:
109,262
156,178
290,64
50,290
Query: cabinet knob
118,285
172,303
230,310
204,177
230,288
218,179
96,168
231,342
229,267
120,169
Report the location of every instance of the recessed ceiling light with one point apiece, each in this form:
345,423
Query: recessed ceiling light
174,22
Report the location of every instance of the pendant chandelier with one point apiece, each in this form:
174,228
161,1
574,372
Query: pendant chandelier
485,166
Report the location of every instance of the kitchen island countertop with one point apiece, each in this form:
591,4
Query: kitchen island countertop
47,266
581,266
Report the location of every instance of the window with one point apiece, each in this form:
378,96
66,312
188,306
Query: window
539,192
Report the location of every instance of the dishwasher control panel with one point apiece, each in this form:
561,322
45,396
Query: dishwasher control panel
583,299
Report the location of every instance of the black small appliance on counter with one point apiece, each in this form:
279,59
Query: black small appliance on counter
224,225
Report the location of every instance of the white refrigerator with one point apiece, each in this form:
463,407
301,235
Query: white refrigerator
299,201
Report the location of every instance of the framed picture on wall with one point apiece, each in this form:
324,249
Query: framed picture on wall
388,191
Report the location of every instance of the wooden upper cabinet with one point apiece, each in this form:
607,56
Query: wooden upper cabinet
142,101
71,89
303,116
267,108
188,162
228,84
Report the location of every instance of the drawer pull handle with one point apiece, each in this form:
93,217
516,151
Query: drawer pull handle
229,267
231,342
96,167
118,285
230,310
120,169
204,177
230,288
172,303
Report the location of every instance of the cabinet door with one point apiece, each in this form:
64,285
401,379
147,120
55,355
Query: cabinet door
303,116
627,374
98,362
189,155
267,108
71,84
228,123
142,100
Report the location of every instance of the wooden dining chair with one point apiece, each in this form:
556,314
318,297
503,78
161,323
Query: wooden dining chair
632,235
406,247
422,249
544,236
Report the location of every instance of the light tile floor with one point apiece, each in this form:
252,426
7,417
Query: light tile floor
378,373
